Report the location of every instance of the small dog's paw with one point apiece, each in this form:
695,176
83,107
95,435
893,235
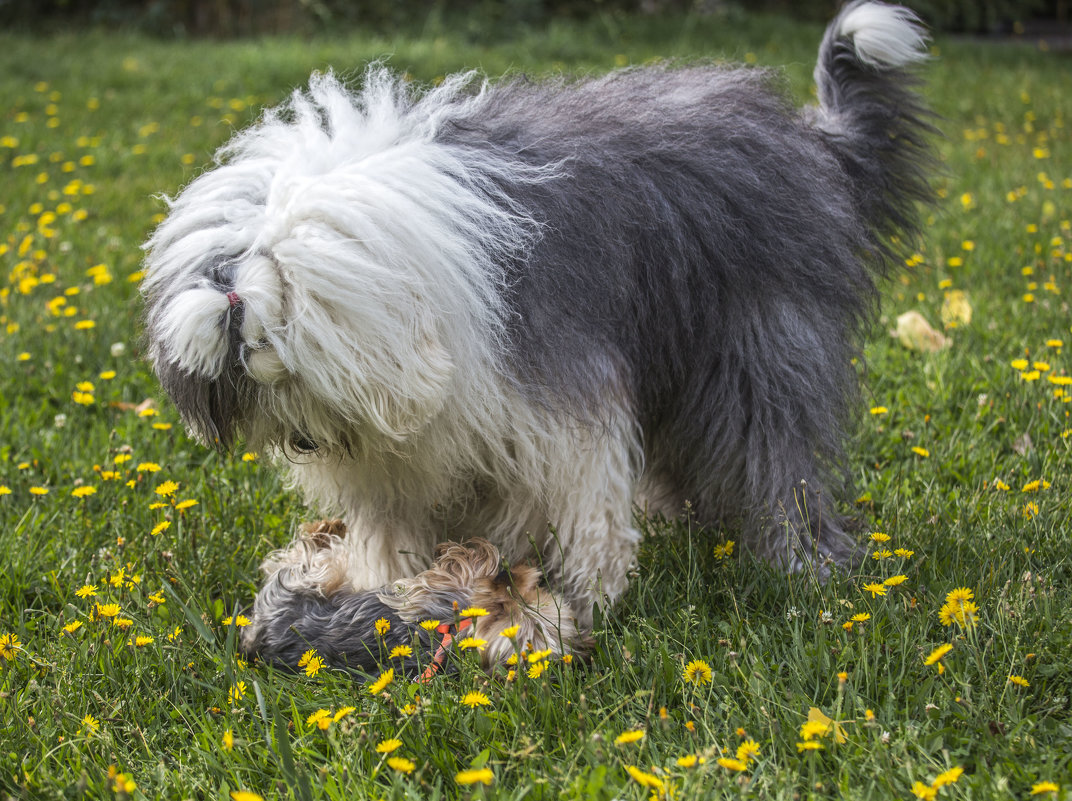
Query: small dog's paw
320,533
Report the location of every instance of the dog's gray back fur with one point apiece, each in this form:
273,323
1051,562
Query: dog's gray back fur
711,254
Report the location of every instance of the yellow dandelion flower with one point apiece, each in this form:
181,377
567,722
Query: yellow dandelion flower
904,553
535,671
894,581
1019,681
474,776
811,729
342,712
510,632
400,651
387,746
879,410
401,764
947,777
429,625
9,646
236,692
631,736
474,611
160,527
167,488
91,723
186,504
1030,510
875,589
86,591
880,536
472,642
937,654
39,490
249,456
107,610
959,595
382,682
539,656
644,779
83,492
963,613
924,792
312,667
1045,787
72,627
475,699
923,452
882,554
698,672
861,617
729,763
383,625
142,640
748,751
809,745
245,795
227,740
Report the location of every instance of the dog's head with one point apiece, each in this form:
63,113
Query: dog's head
325,280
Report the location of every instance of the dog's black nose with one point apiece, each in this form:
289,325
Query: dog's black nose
301,443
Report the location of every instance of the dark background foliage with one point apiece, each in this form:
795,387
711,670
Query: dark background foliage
230,18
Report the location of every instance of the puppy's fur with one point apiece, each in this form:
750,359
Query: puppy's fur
513,311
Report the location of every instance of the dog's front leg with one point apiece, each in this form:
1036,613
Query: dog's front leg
592,543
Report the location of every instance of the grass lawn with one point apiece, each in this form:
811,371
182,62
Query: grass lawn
127,548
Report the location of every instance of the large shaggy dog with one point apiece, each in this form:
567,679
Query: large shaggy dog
513,311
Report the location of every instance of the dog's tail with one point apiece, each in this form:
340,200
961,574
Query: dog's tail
871,113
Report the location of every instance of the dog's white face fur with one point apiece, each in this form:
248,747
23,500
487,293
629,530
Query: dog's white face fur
506,312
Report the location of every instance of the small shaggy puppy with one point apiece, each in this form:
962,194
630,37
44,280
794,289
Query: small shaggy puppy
515,311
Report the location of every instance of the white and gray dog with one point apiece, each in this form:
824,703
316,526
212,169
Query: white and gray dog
514,311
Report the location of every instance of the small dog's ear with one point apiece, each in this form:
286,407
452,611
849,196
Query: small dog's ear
401,410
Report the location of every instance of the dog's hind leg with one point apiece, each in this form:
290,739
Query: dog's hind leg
757,437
